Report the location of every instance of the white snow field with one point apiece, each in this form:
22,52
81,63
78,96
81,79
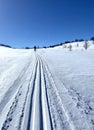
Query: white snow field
50,89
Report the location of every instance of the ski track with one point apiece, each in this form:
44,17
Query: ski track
42,111
45,111
42,107
16,90
38,111
59,116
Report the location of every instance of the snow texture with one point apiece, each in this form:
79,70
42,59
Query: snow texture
50,89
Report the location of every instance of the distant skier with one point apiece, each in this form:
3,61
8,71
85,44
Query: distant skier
34,48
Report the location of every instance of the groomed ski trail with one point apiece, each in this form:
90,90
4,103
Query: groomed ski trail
41,105
41,110
39,117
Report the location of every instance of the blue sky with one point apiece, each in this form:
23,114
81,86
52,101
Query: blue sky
45,22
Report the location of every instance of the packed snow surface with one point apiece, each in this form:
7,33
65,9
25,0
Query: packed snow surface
50,89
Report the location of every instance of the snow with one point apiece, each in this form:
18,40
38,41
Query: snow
50,89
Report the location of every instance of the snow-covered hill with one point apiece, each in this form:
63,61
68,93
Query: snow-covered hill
77,45
50,89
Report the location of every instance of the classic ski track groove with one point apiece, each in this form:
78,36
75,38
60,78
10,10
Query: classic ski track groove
50,79
40,114
37,119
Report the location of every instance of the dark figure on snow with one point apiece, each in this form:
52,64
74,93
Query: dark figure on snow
34,48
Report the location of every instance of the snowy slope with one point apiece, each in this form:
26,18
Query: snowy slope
51,89
13,65
75,70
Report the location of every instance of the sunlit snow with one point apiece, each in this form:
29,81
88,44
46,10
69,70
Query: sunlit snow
50,89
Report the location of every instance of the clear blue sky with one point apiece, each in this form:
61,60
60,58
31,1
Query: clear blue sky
45,22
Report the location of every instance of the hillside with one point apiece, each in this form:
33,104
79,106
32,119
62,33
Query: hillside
50,89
